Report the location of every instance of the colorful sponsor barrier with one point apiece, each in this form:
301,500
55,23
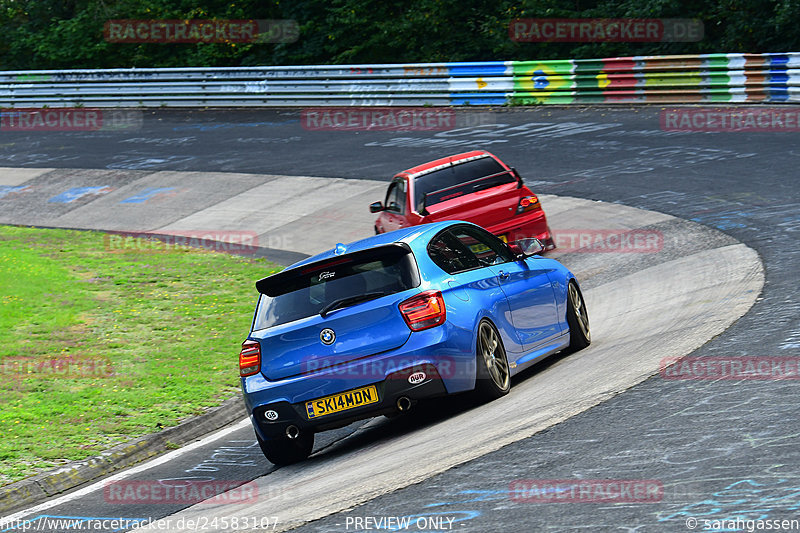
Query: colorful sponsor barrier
704,78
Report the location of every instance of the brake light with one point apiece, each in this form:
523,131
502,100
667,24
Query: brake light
423,311
328,264
528,203
250,358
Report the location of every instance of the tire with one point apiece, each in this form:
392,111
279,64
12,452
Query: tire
578,319
285,451
492,377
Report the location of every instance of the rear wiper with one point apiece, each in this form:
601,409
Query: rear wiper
350,300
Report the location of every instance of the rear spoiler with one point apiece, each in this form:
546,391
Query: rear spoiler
475,182
283,281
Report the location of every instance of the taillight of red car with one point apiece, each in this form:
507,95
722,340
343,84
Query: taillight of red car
528,203
250,358
423,311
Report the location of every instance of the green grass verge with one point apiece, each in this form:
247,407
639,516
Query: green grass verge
99,346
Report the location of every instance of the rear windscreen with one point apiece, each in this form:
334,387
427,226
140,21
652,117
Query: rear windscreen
447,183
305,291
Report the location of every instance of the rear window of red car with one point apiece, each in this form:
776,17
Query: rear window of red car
446,183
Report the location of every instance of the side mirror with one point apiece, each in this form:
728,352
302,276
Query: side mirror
376,207
526,247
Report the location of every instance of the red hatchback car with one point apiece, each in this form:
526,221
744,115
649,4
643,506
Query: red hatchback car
474,186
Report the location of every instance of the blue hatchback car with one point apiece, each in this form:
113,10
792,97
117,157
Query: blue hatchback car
371,327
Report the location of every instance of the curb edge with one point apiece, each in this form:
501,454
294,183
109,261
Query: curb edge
64,478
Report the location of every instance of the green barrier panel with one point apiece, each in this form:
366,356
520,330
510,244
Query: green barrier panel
537,82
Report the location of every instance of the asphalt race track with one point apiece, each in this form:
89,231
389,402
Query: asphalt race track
719,449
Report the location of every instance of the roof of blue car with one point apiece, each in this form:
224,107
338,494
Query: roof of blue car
406,235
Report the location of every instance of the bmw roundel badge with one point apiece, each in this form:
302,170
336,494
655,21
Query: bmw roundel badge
327,336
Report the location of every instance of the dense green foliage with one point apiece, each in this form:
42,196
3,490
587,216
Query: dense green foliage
40,34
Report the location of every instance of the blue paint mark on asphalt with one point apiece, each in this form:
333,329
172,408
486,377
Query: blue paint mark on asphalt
55,522
479,496
5,190
146,194
746,499
725,220
77,192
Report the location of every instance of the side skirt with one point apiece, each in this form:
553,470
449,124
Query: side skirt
540,353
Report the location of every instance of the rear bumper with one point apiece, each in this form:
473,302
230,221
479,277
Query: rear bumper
445,353
390,390
526,226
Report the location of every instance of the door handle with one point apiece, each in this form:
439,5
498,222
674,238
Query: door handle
502,275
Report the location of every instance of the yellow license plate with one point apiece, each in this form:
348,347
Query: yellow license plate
342,401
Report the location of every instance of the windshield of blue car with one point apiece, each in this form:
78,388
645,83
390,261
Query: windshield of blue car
333,284
459,179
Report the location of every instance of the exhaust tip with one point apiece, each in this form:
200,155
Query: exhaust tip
292,432
403,404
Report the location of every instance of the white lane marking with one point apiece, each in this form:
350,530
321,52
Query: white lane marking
126,473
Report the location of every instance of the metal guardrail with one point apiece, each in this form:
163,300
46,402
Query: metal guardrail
706,78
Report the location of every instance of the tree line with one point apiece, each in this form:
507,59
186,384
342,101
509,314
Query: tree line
58,34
